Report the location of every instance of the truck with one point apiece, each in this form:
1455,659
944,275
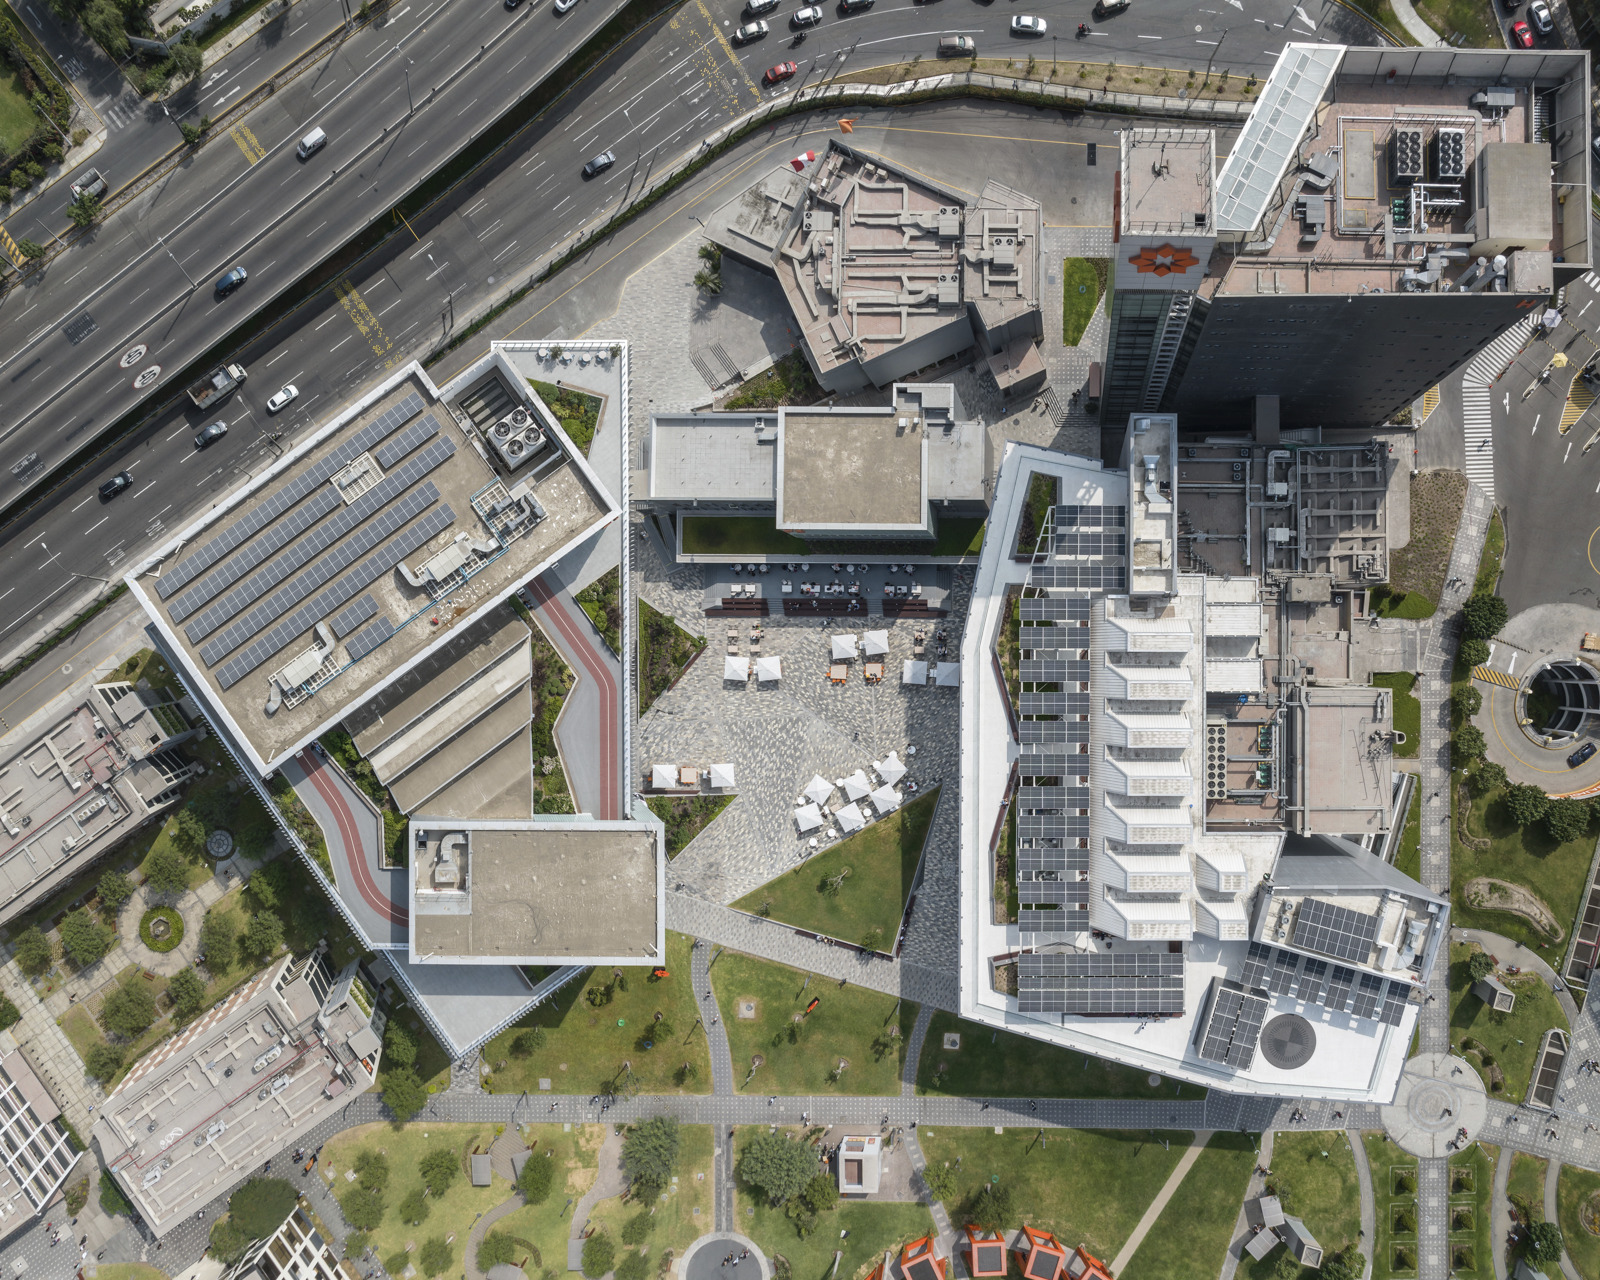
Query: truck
217,385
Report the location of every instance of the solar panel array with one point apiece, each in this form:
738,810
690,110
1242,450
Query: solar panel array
208,553
352,616
1278,972
1074,517
319,540
1070,542
301,620
1101,983
1072,575
1369,994
1337,996
1312,972
1395,1000
1234,1026
368,639
413,437
1336,931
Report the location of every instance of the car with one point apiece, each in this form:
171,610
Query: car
855,6
1025,24
1521,34
957,46
750,31
599,164
1106,8
231,280
1580,755
806,17
208,436
112,487
283,398
562,6
780,72
1539,15
1594,145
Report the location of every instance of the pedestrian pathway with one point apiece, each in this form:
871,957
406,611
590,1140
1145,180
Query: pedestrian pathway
49,1052
1415,27
722,1174
1174,1179
1369,1208
1476,385
480,1228
610,1181
1500,1213
919,1033
1552,1212
1241,1224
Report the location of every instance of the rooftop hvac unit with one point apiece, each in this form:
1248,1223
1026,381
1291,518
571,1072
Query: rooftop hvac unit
516,438
1450,155
1278,489
1405,156
1280,537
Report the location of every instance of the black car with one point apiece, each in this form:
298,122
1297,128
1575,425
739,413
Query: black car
599,164
231,281
1580,755
112,487
208,436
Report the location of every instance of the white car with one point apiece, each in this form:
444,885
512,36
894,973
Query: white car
562,6
1025,24
750,31
283,398
807,17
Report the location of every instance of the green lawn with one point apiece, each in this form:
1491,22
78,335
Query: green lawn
1526,1185
586,1044
1494,549
578,412
1088,1186
882,862
760,535
849,1022
997,1064
683,1213
17,119
1080,294
547,1226
1511,1038
1471,1183
1575,1187
81,1029
1416,570
1473,19
1395,1250
1407,709
665,650
1408,857
1042,491
1192,1234
1314,1174
1382,12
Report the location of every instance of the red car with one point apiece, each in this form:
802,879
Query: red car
1521,34
780,72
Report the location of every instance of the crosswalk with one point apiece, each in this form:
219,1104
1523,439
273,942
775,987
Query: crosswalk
1476,422
119,113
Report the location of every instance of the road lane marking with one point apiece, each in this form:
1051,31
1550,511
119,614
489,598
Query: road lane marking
95,525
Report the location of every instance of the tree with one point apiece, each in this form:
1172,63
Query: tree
166,870
634,1266
192,133
104,20
435,1257
439,1169
1348,1264
414,1208
398,1047
1466,701
111,1198
103,1062
115,889
1473,652
263,935
650,1155
1487,777
598,1255
403,1093
187,991
1287,1267
527,1042
362,1209
259,1207
85,210
187,60
941,1180
1544,1242
821,1193
84,938
637,1229
32,950
372,1169
496,1249
1525,804
1567,819
228,1243
188,832
776,1166
356,1244
872,939
1469,744
129,1010
218,940
1483,615
993,1207
1480,966
535,1180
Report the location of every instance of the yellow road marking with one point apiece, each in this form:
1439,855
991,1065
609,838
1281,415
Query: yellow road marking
738,67
252,149
1430,402
1495,677
1495,721
361,316
10,246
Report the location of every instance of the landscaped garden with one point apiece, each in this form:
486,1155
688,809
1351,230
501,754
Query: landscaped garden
789,381
583,1035
1407,709
1578,1200
1502,1046
857,890
541,1230
602,601
1083,280
685,817
552,680
1394,1194
578,412
1088,1186
678,1215
1417,570
1193,1232
665,650
1035,512
1314,1176
764,1007
1408,857
1471,1183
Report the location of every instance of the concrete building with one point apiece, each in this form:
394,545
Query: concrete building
201,1111
887,272
295,1251
36,1155
860,1162
1382,216
1495,994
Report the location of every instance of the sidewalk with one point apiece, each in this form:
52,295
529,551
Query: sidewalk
1174,1180
1415,27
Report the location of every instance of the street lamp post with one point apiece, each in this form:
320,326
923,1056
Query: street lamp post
65,141
411,105
1213,56
69,572
181,267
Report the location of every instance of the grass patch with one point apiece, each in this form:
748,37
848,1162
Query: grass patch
789,381
1525,1187
1194,1229
546,1226
552,680
665,650
80,1029
1077,77
128,1271
1407,709
1576,1187
866,1028
1471,1182
585,1047
1382,12
1416,570
686,817
219,28
578,412
998,1064
602,601
1082,283
1472,19
1408,857
17,119
881,861
1394,1189
1314,1174
1494,550
1036,512
683,1212
1510,1039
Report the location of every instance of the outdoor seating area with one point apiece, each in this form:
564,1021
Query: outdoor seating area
817,807
841,589
689,779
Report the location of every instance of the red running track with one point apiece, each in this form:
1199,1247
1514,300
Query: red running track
580,638
356,856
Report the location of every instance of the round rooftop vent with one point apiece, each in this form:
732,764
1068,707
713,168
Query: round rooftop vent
1288,1041
519,418
502,429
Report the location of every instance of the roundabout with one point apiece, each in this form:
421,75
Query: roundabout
158,934
716,1257
1439,1097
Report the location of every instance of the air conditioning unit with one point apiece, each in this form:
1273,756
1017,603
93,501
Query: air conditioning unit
1406,157
1280,537
1450,155
1278,489
516,438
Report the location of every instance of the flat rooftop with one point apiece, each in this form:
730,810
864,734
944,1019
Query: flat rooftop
311,588
721,457
1168,180
1344,776
841,468
561,892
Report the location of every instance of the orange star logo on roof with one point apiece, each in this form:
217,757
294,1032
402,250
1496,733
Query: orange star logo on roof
1162,260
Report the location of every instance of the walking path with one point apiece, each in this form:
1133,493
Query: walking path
1369,1209
1517,956
589,729
480,1228
1415,27
610,1181
1125,1255
1552,1212
1500,1214
1241,1224
919,1033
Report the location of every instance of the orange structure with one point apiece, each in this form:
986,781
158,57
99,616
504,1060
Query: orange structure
1083,1265
986,1252
918,1261
1039,1254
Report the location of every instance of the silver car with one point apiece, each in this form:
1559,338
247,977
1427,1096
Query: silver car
806,17
283,398
1025,24
750,31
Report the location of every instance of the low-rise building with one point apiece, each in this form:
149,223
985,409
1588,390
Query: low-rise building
860,1163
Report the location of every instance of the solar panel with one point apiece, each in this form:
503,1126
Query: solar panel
1255,967
1311,975
1069,516
1101,983
1335,931
1395,1000
1285,971
1234,1025
1337,996
352,616
1368,995
1043,920
413,437
208,553
368,639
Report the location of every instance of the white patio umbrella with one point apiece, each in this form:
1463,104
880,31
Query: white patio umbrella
844,647
769,667
851,818
735,668
947,674
808,818
722,777
818,790
857,785
875,642
663,777
885,800
914,671
890,770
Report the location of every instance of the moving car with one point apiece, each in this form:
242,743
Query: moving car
806,17
855,6
563,5
1025,24
231,281
112,487
283,398
208,436
750,31
90,184
780,72
1539,15
755,8
312,143
957,46
1521,35
1105,8
1580,755
599,164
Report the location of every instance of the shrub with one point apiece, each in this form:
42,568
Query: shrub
439,1169
1469,744
536,1180
187,991
30,249
259,1207
85,939
1487,777
1473,652
1480,966
356,1243
103,1062
821,1193
10,1015
598,1254
192,133
1466,701
129,1010
637,1229
414,1208
1544,1242
79,137
650,1155
1567,819
115,889
403,1093
77,1195
495,1249
263,935
435,1256
941,1181
1483,615
872,939
167,870
634,1266
174,934
1525,804
32,950
527,1042
993,1207
111,1198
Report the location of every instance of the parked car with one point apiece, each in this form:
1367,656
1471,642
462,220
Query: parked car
806,17
1521,35
231,280
1105,8
780,72
283,398
750,31
112,487
957,46
1580,755
1025,24
1539,15
599,164
208,436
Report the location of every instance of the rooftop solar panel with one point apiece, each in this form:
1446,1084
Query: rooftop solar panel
1336,931
1233,1027
1311,975
413,437
1369,993
1285,972
1395,1000
1337,996
1101,984
368,639
352,616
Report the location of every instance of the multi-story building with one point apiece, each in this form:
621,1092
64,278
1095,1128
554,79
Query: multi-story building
36,1155
295,1251
1383,215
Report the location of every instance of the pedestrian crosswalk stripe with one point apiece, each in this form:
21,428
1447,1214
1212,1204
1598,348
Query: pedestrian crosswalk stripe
1430,402
1476,423
1495,677
1579,397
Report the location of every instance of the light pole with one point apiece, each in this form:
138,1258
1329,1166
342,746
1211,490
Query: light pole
1213,56
70,573
181,267
411,106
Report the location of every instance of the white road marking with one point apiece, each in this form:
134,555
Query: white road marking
96,525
